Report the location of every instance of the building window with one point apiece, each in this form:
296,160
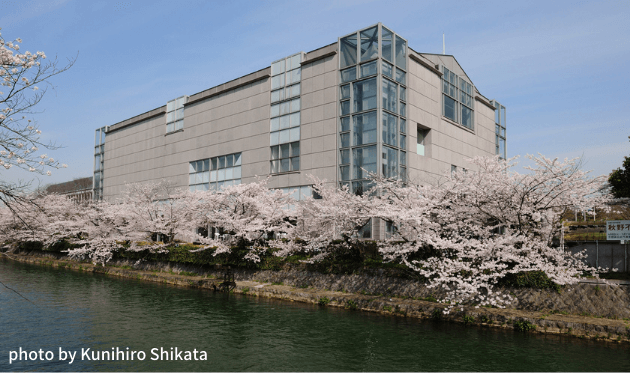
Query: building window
457,101
285,157
389,162
500,124
199,175
215,173
364,95
99,159
284,125
175,114
299,193
390,229
366,230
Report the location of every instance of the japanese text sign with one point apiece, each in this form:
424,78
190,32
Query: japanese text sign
618,230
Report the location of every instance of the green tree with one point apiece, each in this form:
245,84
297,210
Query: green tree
619,180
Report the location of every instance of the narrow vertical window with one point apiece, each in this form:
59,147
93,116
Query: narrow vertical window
175,114
284,126
500,140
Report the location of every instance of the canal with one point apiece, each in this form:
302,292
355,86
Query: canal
75,312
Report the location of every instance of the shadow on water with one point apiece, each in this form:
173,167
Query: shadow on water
75,311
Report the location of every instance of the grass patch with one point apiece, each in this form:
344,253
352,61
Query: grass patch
437,314
523,326
351,305
323,301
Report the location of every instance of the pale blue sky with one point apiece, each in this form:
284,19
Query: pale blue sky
560,67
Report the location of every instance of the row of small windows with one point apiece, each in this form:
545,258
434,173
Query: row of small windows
457,99
214,173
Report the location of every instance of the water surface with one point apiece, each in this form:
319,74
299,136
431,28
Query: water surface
75,311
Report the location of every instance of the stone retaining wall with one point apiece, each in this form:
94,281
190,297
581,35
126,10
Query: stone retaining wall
583,310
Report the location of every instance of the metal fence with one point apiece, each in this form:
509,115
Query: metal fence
605,254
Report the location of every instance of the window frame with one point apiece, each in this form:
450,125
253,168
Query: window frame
173,108
461,92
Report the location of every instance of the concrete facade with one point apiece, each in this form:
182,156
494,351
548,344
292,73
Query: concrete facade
235,118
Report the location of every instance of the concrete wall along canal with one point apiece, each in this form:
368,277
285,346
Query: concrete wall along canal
590,309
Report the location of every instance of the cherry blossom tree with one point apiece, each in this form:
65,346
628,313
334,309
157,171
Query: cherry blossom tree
49,219
338,216
475,228
21,75
155,211
250,214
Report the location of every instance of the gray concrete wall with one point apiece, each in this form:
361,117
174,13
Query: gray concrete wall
236,120
230,118
448,143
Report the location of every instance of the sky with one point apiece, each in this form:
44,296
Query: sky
562,68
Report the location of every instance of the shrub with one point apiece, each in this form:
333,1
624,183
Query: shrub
523,326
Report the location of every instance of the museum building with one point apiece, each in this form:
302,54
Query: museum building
366,103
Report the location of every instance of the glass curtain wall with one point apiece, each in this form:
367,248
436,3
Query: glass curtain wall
99,154
372,107
284,125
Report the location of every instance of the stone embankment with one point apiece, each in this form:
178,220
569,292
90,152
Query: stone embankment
586,310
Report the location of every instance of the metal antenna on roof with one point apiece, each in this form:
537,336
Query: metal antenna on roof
443,44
